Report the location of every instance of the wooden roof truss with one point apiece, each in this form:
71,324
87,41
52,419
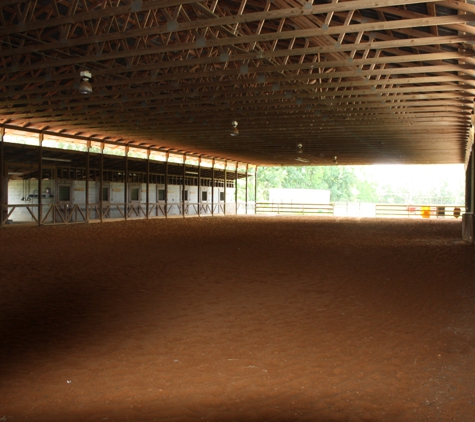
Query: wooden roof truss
381,81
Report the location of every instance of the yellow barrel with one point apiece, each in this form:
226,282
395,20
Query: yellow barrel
425,211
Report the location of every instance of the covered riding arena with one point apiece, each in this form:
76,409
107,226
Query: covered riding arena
137,282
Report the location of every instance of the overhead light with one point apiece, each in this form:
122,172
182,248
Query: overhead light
234,130
85,87
335,160
299,148
63,160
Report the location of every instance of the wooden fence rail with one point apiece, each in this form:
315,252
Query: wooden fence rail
363,210
293,208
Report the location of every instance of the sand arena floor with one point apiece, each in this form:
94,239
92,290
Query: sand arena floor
238,319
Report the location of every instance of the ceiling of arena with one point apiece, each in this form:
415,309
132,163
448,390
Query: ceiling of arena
381,81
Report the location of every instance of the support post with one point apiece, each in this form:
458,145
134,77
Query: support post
471,183
199,187
3,209
212,189
101,183
468,218
255,190
183,185
166,185
40,178
236,188
247,178
225,184
147,194
87,179
126,183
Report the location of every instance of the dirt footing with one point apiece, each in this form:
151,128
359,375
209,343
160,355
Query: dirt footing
238,319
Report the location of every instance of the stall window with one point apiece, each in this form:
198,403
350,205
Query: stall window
135,193
64,193
162,195
105,194
204,195
221,196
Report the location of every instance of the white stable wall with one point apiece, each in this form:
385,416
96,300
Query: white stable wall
16,191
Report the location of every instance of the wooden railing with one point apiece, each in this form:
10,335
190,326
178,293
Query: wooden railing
293,208
362,210
76,213
419,211
83,213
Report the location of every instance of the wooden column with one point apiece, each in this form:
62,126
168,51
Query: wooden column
255,190
212,189
225,183
126,183
236,189
147,196
247,177
468,185
183,186
166,185
199,186
468,218
471,172
101,183
87,179
40,178
3,209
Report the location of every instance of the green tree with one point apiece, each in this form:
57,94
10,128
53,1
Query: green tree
344,183
269,177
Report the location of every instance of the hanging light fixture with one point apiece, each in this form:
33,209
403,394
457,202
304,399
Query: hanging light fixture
299,148
234,130
85,87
